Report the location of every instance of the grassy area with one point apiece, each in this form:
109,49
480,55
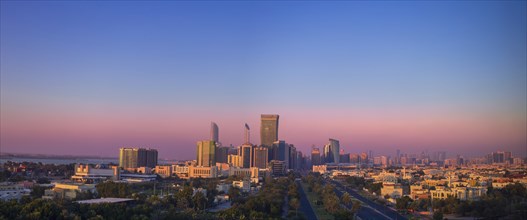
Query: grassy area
319,209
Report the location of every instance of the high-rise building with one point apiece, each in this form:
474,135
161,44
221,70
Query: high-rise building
364,158
344,157
281,152
246,152
221,154
151,158
206,153
398,157
260,157
268,129
234,160
214,132
292,157
278,167
247,134
130,158
315,156
331,151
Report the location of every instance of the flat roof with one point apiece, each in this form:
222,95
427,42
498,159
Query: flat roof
104,200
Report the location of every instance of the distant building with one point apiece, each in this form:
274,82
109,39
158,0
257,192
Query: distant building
9,191
268,129
214,132
221,154
164,170
331,151
244,186
68,190
181,170
235,160
315,156
131,158
85,173
206,153
247,134
203,172
344,157
260,157
247,155
278,167
281,152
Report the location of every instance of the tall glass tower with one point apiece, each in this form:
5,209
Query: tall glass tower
269,130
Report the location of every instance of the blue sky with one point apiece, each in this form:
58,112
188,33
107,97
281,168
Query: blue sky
467,57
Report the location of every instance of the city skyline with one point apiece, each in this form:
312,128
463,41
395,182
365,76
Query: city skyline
414,76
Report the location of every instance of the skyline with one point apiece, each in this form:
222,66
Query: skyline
413,76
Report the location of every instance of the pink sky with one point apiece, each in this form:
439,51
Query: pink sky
174,131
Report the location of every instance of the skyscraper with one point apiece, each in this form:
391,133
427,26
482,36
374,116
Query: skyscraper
260,157
315,156
214,132
221,154
281,151
247,134
331,151
206,153
246,152
268,129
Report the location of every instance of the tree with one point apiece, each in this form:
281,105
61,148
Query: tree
403,203
295,204
37,191
234,194
438,216
346,199
199,200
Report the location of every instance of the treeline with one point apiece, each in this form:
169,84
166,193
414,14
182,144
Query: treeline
329,199
268,203
183,203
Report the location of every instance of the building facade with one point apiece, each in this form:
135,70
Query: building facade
206,156
268,129
260,157
131,158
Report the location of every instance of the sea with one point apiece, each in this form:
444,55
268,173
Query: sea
60,161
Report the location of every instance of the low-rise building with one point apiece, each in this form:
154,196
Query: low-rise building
68,190
203,172
244,186
88,174
164,170
9,191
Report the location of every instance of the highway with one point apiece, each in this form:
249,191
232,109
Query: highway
369,209
305,207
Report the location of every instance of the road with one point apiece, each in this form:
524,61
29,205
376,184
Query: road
305,207
372,210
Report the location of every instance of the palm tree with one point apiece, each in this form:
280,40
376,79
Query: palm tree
346,199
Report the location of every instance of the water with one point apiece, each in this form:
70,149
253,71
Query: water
59,161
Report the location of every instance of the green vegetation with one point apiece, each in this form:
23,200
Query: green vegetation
327,203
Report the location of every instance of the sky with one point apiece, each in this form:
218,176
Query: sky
89,77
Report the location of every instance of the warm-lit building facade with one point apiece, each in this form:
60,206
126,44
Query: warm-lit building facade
206,153
131,158
260,157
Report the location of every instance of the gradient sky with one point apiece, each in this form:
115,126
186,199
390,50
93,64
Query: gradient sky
90,77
